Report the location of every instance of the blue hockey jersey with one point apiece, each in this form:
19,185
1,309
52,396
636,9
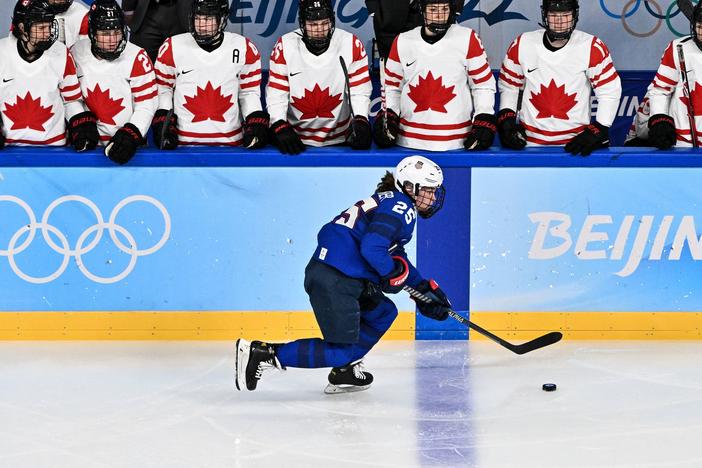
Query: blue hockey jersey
361,241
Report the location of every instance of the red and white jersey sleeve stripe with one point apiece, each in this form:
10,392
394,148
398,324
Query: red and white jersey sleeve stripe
144,92
664,82
394,79
359,79
250,81
165,75
605,82
481,81
278,88
70,89
511,79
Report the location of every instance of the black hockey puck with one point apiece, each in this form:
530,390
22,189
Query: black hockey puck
549,387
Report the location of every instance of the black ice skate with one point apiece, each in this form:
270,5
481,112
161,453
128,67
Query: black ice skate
252,358
350,378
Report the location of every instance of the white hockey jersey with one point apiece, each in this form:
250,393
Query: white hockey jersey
73,24
37,98
119,91
557,86
666,93
309,90
436,89
210,92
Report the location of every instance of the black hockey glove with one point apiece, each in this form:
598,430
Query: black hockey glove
286,138
595,136
256,130
661,131
512,135
386,128
165,129
123,144
393,282
482,133
439,305
359,135
83,132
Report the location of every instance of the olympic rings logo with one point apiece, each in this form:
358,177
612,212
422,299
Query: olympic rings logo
81,248
654,9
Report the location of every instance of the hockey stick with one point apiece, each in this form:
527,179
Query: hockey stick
686,7
169,116
529,346
347,93
688,95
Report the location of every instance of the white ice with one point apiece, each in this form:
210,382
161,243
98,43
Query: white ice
459,404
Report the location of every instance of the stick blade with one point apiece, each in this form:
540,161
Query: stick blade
686,7
540,342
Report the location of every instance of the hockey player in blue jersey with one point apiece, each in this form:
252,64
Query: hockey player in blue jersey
360,256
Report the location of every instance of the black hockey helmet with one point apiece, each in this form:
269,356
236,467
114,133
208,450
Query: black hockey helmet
106,15
548,6
28,13
316,10
60,6
433,26
216,8
694,21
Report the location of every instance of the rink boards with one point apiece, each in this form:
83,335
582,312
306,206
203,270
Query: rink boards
208,244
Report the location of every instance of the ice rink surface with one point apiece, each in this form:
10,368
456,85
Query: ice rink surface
458,404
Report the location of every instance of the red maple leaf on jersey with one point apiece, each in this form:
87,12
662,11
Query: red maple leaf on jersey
317,102
103,106
696,99
553,101
431,94
28,112
208,104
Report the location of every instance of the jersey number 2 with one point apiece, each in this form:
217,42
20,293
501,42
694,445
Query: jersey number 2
349,217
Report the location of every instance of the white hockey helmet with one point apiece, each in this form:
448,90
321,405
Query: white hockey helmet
417,172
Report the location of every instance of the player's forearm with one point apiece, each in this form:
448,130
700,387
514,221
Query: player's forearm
249,102
143,115
392,98
659,101
72,108
361,104
374,250
483,100
277,105
509,98
165,97
608,98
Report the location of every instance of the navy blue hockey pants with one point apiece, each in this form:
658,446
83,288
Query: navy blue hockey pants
352,320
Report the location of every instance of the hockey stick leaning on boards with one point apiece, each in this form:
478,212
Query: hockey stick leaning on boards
347,93
688,96
536,343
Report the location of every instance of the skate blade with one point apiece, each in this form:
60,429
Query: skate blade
242,357
335,389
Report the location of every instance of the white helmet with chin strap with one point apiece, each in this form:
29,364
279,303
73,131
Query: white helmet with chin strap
415,172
